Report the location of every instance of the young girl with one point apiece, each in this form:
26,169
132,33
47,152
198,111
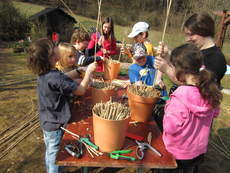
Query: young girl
190,110
67,62
109,46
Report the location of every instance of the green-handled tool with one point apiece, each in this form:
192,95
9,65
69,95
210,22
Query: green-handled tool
81,139
116,155
86,140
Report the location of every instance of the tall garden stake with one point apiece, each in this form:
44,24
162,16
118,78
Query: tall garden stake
167,14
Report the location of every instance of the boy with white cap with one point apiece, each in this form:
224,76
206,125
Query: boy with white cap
143,71
140,34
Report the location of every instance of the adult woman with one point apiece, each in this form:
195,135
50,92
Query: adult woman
199,30
109,46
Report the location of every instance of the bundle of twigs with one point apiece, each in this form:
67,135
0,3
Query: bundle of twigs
103,85
14,134
143,90
111,110
112,61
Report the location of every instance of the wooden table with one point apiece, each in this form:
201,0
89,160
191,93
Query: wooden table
81,124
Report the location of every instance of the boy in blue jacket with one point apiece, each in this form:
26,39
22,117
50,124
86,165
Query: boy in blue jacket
143,71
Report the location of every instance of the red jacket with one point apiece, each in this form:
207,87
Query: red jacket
108,45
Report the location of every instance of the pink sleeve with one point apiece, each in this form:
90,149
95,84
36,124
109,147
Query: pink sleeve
92,41
114,47
173,118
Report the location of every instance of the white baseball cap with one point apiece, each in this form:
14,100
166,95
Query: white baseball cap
138,28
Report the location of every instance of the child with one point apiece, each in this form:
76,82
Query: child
140,34
54,88
190,110
80,40
109,47
67,63
143,71
69,57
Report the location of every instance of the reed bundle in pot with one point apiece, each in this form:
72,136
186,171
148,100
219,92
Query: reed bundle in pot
110,124
142,101
101,91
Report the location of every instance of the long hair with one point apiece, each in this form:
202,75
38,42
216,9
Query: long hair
201,24
66,49
39,54
189,59
111,32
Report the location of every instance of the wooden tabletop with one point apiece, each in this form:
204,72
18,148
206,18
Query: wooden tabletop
81,124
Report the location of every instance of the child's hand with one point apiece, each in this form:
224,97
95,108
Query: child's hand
105,51
161,84
125,50
126,83
92,68
162,49
103,58
160,64
101,40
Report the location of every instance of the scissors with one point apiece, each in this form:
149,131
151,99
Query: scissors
144,146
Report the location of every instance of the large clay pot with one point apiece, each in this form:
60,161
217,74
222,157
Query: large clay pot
111,70
141,107
109,135
101,95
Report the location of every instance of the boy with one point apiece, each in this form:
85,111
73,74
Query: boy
54,88
80,40
140,34
143,71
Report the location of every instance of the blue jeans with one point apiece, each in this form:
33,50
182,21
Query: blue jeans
52,141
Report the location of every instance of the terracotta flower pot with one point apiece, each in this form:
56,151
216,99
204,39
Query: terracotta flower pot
109,135
101,95
141,107
111,70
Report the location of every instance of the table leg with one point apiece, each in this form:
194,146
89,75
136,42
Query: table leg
139,170
85,169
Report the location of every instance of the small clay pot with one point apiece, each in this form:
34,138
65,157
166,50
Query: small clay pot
111,70
141,107
101,95
109,135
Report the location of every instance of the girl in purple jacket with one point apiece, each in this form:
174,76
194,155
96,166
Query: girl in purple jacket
190,110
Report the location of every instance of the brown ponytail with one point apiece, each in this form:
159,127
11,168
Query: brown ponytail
208,87
189,59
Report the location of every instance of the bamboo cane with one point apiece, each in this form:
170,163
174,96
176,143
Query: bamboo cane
123,42
98,17
154,83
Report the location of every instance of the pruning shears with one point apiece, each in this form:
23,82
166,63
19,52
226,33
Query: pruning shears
74,150
116,155
87,141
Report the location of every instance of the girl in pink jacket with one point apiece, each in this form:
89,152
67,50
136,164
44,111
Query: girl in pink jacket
109,46
190,110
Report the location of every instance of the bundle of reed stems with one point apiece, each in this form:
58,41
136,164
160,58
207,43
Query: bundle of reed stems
112,61
111,110
103,85
143,90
